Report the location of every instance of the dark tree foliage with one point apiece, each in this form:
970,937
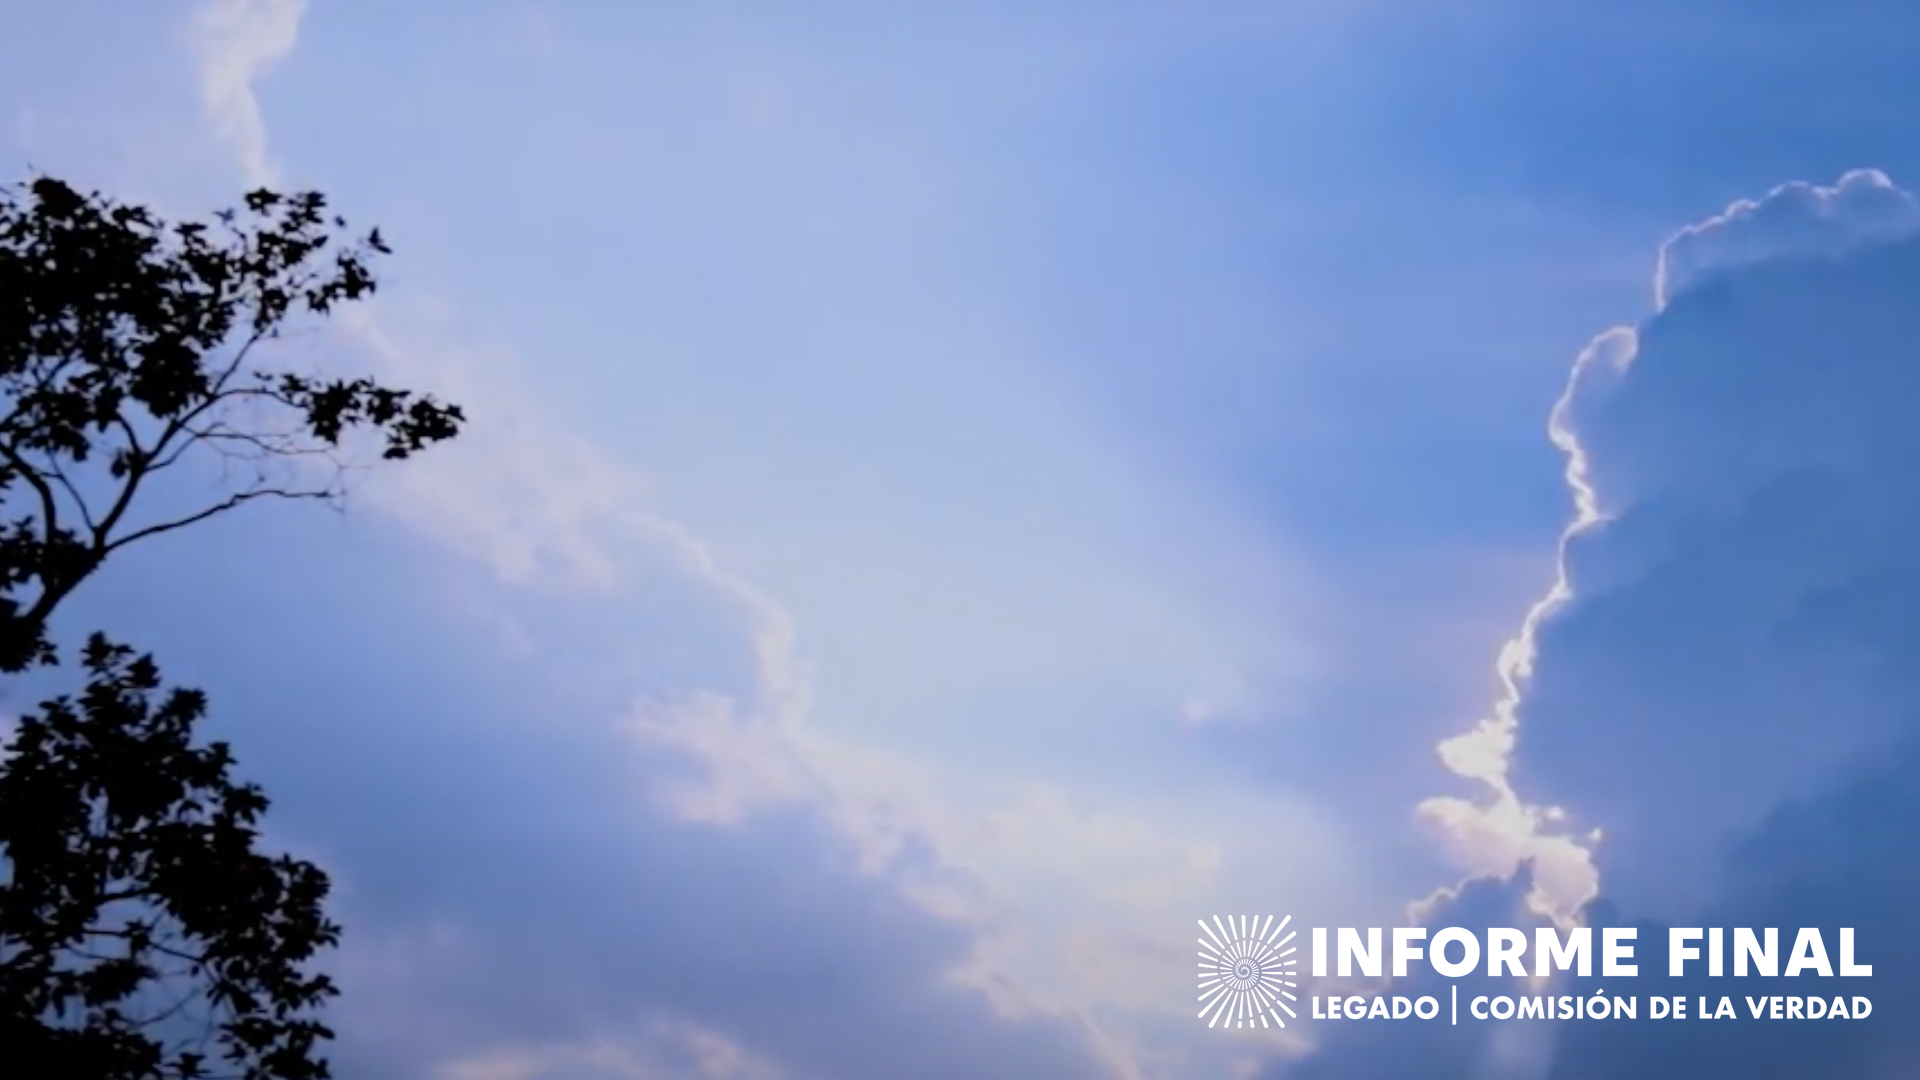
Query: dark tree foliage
129,345
142,935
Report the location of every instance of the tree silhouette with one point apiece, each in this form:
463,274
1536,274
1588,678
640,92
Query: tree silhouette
129,345
142,935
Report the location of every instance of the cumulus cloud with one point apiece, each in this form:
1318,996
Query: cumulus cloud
1497,831
1795,220
1719,688
1748,470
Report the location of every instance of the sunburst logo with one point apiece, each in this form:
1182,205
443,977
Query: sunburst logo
1246,972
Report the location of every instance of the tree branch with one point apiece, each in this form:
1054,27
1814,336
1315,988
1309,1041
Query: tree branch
54,470
49,509
221,507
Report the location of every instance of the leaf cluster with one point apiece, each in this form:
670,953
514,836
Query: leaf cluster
141,933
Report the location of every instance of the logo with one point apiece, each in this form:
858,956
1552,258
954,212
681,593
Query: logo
1246,969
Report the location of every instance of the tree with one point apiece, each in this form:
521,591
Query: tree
129,346
142,935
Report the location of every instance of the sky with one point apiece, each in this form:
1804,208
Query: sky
954,493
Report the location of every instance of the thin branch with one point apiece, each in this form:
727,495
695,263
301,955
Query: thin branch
49,508
272,445
218,393
54,469
186,998
184,422
218,508
239,357
138,452
150,942
42,383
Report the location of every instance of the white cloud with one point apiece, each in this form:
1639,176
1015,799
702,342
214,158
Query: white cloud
1077,944
546,512
1797,219
238,40
1492,834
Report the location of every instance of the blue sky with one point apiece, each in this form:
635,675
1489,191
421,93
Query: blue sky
952,496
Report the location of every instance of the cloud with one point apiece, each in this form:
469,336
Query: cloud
1440,1051
722,745
566,536
582,581
1746,467
1795,220
1719,688
666,1050
238,40
1496,832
